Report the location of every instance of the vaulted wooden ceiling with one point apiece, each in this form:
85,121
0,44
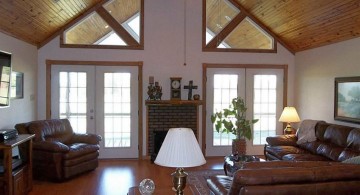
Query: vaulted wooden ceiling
299,24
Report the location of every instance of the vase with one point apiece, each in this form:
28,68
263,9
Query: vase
239,146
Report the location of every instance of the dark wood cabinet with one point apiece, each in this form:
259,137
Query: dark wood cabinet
16,181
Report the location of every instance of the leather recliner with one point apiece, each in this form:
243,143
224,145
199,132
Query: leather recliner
58,152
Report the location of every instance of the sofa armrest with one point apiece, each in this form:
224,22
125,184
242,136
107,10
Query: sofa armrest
219,184
282,140
86,138
51,146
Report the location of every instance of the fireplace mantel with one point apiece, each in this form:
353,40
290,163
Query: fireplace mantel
174,102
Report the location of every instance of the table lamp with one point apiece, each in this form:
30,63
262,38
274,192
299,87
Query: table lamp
289,115
180,149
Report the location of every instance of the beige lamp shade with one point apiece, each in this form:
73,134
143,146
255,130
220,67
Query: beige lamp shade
289,115
180,149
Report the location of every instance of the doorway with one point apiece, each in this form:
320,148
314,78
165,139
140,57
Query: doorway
100,99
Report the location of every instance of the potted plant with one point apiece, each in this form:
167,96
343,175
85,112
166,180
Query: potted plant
233,120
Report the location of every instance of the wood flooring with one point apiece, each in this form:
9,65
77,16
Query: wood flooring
115,177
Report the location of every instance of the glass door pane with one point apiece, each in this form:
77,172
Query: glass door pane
225,89
72,101
117,111
72,96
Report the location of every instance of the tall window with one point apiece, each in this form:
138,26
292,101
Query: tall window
264,107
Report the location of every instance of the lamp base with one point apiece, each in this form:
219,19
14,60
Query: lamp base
179,180
288,130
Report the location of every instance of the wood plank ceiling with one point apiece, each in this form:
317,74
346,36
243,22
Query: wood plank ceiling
300,24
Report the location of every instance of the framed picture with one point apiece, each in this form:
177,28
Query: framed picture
347,99
17,83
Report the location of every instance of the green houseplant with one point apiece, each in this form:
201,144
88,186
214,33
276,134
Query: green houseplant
233,120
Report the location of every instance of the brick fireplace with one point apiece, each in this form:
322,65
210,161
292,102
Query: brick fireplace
165,114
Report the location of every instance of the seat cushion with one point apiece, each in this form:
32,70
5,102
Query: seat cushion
80,149
81,159
280,151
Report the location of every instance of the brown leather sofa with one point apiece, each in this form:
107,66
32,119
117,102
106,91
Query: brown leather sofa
333,143
289,177
58,152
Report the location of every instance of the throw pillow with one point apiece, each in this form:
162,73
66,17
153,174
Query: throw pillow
353,160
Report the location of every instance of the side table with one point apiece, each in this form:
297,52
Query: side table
234,162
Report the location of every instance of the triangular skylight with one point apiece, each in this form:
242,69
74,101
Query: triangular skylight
230,27
115,23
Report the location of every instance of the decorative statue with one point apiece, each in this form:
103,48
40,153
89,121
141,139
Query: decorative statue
154,91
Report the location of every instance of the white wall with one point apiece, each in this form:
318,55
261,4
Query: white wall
316,70
163,53
24,59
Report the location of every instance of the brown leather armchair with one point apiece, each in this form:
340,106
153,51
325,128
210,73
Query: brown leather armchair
58,152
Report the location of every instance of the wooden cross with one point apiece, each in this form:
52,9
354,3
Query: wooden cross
190,87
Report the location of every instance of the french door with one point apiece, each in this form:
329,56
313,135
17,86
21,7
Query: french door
262,90
101,100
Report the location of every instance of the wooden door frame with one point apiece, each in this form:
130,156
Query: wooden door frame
283,67
138,64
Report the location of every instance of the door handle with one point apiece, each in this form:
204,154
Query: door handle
91,117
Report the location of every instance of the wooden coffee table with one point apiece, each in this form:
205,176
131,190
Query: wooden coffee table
189,190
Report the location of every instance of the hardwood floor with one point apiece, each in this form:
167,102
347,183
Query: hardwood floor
116,177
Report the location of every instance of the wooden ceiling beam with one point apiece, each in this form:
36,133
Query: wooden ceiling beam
120,31
215,42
